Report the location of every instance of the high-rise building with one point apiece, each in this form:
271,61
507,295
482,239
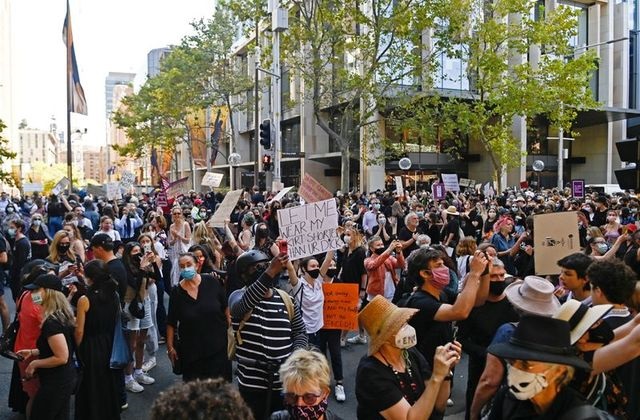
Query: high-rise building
154,58
115,79
6,84
95,165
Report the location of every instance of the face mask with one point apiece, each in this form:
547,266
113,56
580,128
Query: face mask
514,208
496,288
331,273
9,210
36,298
524,385
11,232
420,214
137,258
37,222
314,273
63,248
406,337
382,220
440,277
308,412
587,237
612,218
602,248
188,273
347,239
203,214
378,251
492,214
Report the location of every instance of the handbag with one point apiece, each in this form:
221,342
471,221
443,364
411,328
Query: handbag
136,307
120,352
8,338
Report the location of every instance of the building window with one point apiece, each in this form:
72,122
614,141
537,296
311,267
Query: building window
291,138
285,89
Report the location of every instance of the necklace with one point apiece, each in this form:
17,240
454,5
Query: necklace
409,388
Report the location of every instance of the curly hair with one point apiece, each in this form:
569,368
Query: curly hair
211,399
614,278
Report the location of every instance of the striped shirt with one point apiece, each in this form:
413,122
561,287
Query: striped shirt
267,336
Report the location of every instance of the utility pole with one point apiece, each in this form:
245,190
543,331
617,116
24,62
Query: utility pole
256,114
279,23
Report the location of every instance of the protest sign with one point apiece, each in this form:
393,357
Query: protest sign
450,182
281,194
464,182
95,190
556,237
127,179
310,229
62,185
161,199
577,188
211,179
225,208
399,187
438,190
176,187
113,191
340,310
312,191
30,187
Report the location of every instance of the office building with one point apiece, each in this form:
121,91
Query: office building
154,58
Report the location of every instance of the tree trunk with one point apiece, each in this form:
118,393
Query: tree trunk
346,168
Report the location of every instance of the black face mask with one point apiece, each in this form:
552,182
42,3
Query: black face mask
137,258
262,233
63,248
378,251
496,288
249,279
314,273
331,273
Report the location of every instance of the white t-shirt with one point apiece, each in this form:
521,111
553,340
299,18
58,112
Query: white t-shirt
311,301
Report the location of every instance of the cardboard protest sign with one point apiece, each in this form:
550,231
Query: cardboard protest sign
312,191
127,179
577,188
399,187
113,191
438,190
62,185
281,194
310,229
340,310
95,190
211,179
556,237
176,187
451,182
225,208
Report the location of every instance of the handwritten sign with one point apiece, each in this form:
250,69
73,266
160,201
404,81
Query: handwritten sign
312,191
127,179
556,237
225,208
281,194
451,182
161,200
399,187
310,229
211,179
175,188
340,306
62,185
577,188
113,191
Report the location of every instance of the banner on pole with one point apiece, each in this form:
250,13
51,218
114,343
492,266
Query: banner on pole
340,310
225,208
310,229
312,191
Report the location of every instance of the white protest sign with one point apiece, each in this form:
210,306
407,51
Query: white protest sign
310,229
450,182
113,191
281,194
556,237
211,179
62,185
225,208
29,187
399,187
127,179
464,182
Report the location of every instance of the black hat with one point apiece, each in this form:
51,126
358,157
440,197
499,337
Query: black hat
102,240
540,339
28,272
48,281
249,258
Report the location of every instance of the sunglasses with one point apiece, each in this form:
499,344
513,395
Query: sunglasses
291,398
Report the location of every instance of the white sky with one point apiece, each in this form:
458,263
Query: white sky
109,35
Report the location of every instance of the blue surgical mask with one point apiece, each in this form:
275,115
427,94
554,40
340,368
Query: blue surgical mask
11,232
602,248
188,273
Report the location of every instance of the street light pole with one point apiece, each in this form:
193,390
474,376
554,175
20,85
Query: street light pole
256,109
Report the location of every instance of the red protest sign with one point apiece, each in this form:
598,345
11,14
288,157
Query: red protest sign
340,306
312,191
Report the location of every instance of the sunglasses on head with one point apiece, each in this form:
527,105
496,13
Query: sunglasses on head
309,398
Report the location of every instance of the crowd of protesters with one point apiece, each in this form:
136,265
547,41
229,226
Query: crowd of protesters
437,278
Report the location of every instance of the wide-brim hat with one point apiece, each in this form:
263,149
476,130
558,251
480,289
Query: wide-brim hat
452,211
540,339
580,317
533,295
382,320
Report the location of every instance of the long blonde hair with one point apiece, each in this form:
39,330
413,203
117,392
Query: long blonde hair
54,256
56,305
202,236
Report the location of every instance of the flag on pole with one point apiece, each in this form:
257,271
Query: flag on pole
164,183
215,138
76,101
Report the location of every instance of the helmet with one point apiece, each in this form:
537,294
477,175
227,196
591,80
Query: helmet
246,261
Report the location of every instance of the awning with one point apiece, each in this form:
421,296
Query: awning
333,159
604,115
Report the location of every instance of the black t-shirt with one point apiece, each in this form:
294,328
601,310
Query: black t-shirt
59,374
405,235
21,255
379,388
201,323
431,333
631,259
353,266
452,227
599,218
119,273
56,210
433,232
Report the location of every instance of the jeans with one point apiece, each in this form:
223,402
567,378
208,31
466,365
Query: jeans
331,339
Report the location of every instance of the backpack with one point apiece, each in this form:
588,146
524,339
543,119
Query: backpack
233,337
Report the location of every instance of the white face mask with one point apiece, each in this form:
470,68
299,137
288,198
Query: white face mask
524,385
347,239
406,337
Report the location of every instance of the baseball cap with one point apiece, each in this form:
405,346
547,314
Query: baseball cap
102,240
48,281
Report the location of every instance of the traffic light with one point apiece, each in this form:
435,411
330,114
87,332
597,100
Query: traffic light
629,177
265,134
266,163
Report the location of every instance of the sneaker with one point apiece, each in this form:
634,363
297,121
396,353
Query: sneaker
339,393
133,386
162,340
124,406
149,364
144,379
343,342
358,339
449,402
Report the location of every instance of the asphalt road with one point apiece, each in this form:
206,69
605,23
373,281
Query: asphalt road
139,404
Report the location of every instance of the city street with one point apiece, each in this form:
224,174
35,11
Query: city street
139,404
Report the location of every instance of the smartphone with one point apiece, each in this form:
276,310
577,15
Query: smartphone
283,246
147,248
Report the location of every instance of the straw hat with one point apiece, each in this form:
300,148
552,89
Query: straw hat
382,320
580,317
452,211
533,295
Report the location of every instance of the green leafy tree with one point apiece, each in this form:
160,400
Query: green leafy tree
5,154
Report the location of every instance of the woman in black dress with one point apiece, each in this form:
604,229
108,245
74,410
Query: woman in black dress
97,396
38,235
199,315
